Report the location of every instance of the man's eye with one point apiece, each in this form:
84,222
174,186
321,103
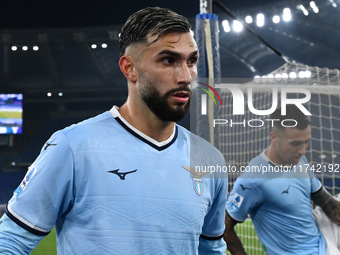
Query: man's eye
192,61
296,144
168,60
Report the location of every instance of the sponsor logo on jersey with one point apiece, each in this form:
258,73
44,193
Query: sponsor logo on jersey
286,191
244,187
237,201
31,171
122,175
198,186
48,145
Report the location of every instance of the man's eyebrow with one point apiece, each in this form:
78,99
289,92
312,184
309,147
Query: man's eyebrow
175,54
300,142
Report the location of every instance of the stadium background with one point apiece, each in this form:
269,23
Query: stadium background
77,58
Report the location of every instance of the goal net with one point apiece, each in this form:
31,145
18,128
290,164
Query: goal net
248,135
241,137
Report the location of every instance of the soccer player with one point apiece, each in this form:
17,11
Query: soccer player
123,181
276,191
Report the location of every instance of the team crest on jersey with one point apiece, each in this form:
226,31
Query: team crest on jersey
198,186
31,171
196,179
237,201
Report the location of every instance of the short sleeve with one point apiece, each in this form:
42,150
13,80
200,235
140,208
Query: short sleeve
243,198
214,226
316,185
46,192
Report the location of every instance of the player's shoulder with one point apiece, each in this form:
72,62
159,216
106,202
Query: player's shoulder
84,129
197,143
93,124
95,121
258,161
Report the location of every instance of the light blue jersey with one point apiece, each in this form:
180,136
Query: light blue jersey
279,204
110,189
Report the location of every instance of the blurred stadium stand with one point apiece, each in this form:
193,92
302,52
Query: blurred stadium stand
82,64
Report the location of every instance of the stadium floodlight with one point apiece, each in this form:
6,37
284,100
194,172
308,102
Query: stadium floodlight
35,48
260,20
14,48
312,4
302,75
308,74
292,75
257,78
104,45
24,48
303,9
278,76
314,7
249,19
276,19
284,76
226,26
333,3
94,46
287,15
237,26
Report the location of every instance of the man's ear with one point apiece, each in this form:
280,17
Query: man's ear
127,66
273,136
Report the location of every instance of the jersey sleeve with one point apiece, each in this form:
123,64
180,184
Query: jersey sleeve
211,240
210,247
316,185
243,198
15,240
46,192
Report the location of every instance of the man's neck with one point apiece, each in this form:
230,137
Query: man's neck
147,122
273,157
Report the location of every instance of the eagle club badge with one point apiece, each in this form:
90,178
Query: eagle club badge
196,179
198,186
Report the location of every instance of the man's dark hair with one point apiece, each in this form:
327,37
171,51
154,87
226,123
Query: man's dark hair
292,113
151,21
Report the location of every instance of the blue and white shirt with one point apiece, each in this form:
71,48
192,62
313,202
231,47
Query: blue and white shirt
279,203
110,189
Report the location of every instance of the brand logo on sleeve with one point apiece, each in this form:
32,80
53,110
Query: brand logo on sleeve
31,171
237,201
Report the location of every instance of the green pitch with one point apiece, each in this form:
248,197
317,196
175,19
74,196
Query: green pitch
11,114
249,238
47,246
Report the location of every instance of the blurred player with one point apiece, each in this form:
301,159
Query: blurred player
279,202
121,182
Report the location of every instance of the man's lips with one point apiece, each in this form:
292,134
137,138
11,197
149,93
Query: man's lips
181,96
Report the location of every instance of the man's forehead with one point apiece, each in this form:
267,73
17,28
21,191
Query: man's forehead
297,134
172,40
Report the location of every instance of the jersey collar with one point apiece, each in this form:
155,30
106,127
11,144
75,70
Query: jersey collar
140,135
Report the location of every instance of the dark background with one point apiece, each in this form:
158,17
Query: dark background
90,79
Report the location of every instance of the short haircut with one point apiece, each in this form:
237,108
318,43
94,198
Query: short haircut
150,21
292,112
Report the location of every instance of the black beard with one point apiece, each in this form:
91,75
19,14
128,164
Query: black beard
160,107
